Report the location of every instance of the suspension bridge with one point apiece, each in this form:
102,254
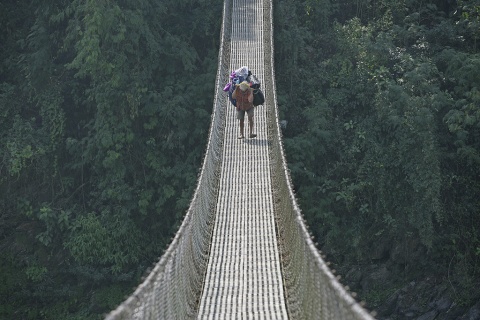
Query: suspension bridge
243,250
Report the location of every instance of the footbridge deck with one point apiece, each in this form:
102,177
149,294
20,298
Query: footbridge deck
243,278
243,250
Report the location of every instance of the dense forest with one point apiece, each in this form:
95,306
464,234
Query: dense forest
104,115
382,102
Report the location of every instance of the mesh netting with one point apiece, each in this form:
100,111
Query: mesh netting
172,288
312,291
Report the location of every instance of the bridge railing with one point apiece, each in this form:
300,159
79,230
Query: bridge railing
312,290
172,289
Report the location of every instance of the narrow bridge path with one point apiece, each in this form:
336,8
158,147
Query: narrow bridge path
224,261
244,279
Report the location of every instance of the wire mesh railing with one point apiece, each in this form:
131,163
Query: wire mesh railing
172,288
312,290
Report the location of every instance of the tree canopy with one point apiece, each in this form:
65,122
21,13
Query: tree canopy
382,104
103,127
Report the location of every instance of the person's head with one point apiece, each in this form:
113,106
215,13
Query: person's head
244,85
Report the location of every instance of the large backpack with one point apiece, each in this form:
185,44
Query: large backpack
254,82
236,77
258,97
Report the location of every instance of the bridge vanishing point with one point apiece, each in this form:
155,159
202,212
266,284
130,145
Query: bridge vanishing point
243,250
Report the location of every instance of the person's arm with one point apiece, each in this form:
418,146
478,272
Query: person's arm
250,95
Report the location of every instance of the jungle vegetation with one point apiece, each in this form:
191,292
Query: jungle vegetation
382,102
104,115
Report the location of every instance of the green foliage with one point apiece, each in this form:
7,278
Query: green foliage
469,19
110,243
103,130
382,136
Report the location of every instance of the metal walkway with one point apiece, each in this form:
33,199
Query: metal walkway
244,279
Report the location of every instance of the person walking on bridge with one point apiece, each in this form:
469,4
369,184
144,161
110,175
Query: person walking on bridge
244,96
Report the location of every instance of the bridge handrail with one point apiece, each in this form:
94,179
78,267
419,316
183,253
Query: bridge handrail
312,290
171,290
